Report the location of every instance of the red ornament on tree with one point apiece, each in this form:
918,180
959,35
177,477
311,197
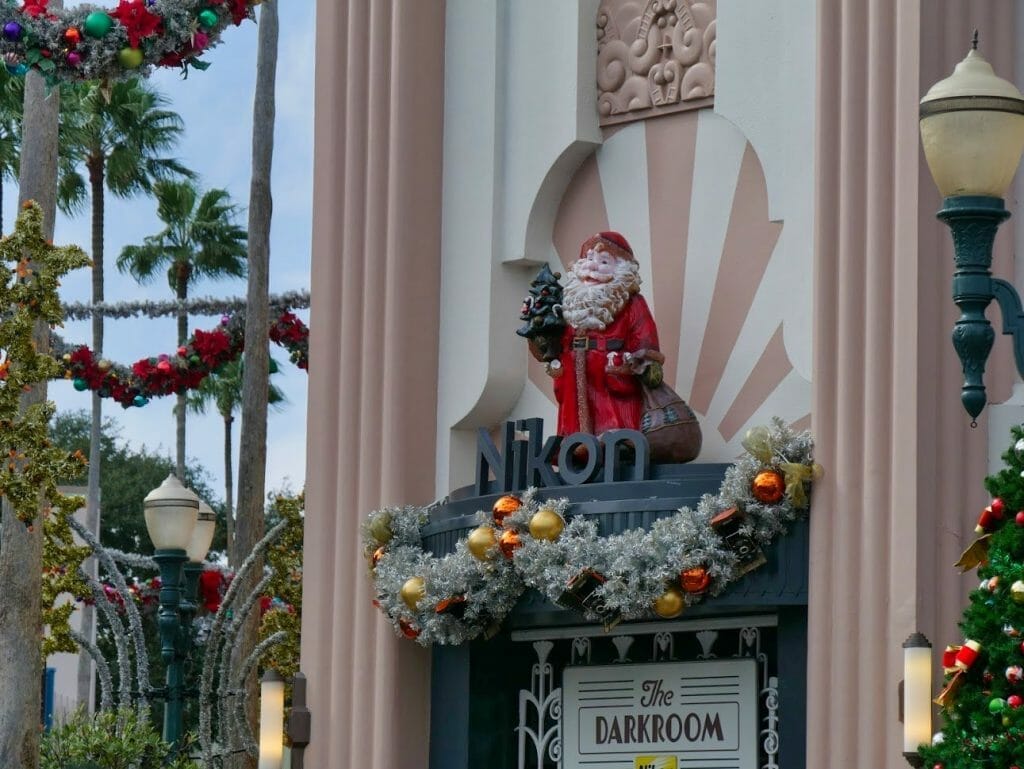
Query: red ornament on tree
998,508
1019,518
1015,701
768,487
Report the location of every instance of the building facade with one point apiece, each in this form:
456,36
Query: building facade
763,160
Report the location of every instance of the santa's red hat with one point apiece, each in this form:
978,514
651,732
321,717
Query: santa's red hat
612,242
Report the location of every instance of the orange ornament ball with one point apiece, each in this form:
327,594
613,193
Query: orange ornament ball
509,542
768,487
377,555
504,507
695,580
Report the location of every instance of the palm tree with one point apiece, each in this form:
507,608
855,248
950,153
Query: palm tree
200,239
223,390
12,101
118,137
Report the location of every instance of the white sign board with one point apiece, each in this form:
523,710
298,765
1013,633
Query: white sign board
673,715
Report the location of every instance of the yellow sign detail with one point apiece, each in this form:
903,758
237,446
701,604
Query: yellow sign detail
655,762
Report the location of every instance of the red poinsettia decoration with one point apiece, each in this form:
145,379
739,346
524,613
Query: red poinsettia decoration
36,8
239,10
211,346
137,20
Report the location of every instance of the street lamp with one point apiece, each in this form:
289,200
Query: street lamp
198,546
972,130
171,513
917,696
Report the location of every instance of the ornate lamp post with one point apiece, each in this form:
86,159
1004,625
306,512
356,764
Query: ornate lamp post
972,129
171,513
198,547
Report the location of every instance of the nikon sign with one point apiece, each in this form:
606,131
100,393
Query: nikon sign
677,714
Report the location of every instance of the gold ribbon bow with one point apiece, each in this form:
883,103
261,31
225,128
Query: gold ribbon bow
796,475
758,443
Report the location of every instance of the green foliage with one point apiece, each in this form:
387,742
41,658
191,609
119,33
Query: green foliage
285,561
973,736
119,133
223,390
199,239
29,286
127,475
110,740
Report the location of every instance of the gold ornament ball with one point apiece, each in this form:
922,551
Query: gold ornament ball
481,542
413,591
546,524
104,365
1017,591
670,604
768,487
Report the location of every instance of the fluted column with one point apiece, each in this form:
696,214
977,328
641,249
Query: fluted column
373,391
904,468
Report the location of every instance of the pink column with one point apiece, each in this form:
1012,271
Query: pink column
904,470
372,407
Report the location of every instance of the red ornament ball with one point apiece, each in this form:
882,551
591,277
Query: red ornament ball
72,36
409,630
1015,701
998,507
768,487
1019,518
504,507
695,580
509,542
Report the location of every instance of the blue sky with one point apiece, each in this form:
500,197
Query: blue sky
217,109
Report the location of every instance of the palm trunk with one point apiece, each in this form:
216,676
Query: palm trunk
252,464
21,547
229,486
182,294
97,171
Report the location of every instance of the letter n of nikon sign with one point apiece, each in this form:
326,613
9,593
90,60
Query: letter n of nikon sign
669,715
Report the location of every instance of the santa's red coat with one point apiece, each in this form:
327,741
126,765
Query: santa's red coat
613,400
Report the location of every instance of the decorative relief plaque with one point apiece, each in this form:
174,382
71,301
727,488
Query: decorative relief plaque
654,57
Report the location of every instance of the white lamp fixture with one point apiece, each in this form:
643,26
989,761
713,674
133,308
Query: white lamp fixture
972,129
917,696
271,720
171,512
202,534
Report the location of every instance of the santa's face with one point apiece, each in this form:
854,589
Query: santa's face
596,267
598,287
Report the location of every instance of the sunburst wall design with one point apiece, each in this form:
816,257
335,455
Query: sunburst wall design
689,193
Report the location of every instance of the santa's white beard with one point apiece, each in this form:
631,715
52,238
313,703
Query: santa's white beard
592,306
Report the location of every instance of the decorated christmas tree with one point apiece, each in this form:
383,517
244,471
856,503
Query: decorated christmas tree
983,694
542,311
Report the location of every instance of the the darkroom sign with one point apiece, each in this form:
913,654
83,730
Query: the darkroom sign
674,715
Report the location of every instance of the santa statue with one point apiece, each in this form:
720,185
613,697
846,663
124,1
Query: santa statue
608,341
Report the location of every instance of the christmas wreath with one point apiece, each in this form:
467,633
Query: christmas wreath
91,43
529,543
201,355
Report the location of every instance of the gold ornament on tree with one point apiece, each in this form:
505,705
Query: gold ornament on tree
670,604
481,542
412,592
1017,591
546,524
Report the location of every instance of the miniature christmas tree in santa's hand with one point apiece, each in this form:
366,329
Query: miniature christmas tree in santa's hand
542,311
983,695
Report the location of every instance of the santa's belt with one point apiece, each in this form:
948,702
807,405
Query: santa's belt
591,343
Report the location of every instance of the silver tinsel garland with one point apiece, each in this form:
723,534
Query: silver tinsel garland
202,305
637,565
